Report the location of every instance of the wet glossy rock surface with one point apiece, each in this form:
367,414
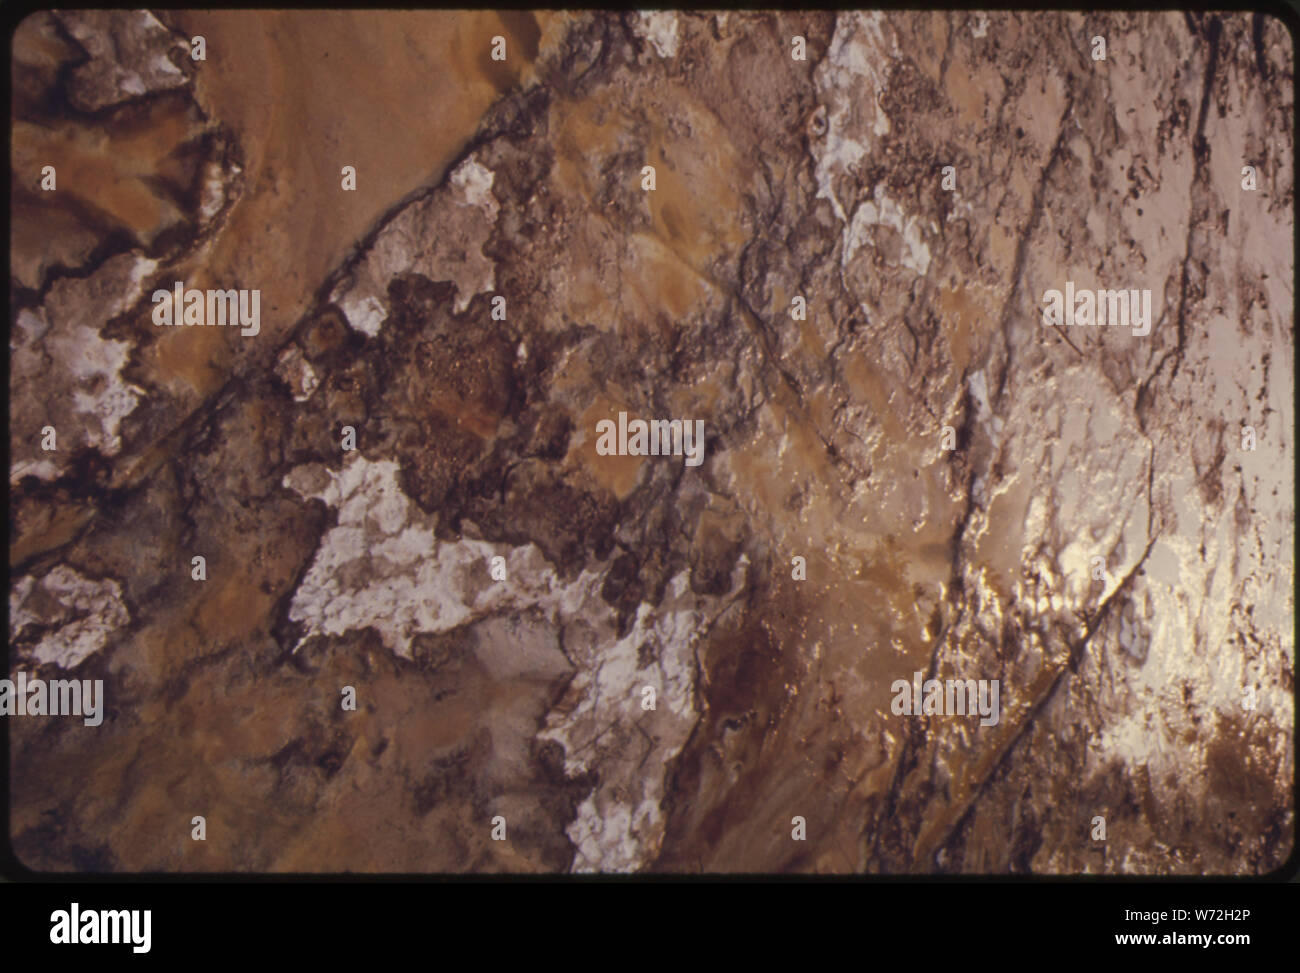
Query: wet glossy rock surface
1121,696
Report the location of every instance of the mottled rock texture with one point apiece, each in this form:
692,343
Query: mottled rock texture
522,696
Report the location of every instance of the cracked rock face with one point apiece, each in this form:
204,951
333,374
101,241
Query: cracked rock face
416,578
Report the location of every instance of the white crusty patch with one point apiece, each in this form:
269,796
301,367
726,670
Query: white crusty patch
440,236
68,371
859,52
217,181
660,28
382,567
128,55
295,371
473,183
979,390
884,211
602,725
83,613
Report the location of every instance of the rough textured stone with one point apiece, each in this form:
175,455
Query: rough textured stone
522,697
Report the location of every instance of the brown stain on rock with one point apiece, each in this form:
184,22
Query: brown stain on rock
298,95
617,474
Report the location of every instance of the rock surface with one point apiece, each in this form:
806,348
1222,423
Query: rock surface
1101,538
